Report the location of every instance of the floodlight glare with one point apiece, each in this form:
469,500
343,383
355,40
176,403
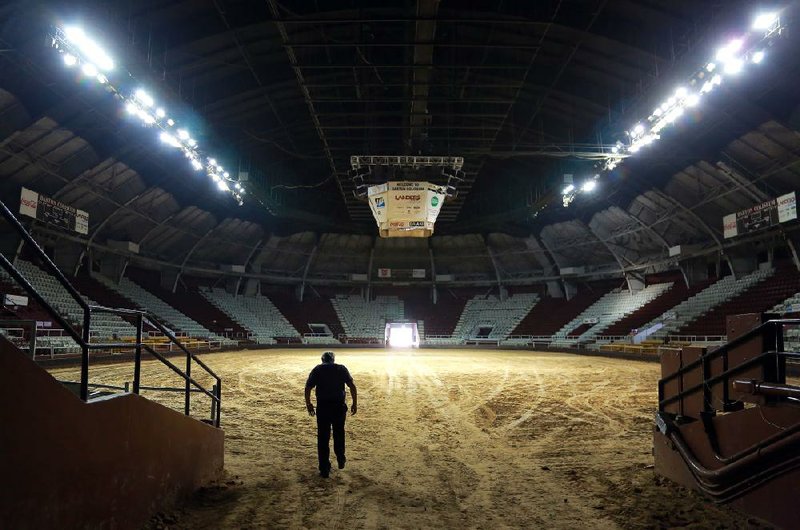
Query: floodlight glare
131,108
757,56
183,134
212,161
89,48
710,67
169,139
89,70
615,149
734,66
589,185
765,21
568,189
170,122
692,100
681,92
101,79
144,97
70,60
238,186
223,186
196,164
160,112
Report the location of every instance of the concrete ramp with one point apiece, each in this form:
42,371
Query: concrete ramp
105,464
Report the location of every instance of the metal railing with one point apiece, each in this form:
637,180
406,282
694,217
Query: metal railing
773,360
83,339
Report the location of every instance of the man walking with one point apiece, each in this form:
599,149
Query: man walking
329,379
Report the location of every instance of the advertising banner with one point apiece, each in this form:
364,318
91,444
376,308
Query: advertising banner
13,299
53,212
761,216
384,273
418,273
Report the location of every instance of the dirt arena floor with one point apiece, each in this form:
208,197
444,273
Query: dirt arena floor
442,439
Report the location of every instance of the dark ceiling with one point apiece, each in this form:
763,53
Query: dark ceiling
289,91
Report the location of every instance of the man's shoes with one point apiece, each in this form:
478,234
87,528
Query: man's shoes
341,462
325,473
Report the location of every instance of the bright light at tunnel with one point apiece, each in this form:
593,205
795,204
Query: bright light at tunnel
401,337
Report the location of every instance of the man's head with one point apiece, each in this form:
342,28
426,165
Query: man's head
328,357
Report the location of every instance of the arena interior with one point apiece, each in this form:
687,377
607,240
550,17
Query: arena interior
554,242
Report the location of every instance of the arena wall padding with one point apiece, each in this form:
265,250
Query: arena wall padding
109,463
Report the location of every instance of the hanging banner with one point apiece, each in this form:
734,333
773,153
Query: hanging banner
760,216
53,212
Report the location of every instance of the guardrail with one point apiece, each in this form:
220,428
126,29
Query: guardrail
83,339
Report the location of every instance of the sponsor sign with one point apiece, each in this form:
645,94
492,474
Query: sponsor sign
13,299
53,212
418,273
384,273
761,216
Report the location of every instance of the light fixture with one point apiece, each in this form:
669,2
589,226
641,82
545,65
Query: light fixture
160,112
734,66
101,79
589,185
170,122
90,50
70,60
757,57
183,134
196,164
169,139
89,70
144,97
765,21
569,189
212,162
222,185
710,67
681,92
692,100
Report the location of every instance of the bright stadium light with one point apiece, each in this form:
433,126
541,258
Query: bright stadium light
223,186
183,134
569,189
70,60
734,66
169,139
101,79
144,97
170,122
710,67
757,57
589,186
196,164
681,92
90,50
765,21
89,70
160,113
692,100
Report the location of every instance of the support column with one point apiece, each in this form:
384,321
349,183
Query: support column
502,293
369,270
305,271
434,293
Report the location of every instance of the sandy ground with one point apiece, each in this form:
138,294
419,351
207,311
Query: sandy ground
442,439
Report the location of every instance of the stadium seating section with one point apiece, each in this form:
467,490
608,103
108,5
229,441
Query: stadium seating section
601,314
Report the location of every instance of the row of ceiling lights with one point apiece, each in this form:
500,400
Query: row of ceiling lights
729,61
83,53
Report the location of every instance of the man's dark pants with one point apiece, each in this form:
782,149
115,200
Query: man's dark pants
330,415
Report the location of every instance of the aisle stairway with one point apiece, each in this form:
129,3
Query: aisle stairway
702,302
489,311
610,308
758,297
256,313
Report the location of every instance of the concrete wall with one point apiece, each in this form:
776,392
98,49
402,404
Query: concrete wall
110,463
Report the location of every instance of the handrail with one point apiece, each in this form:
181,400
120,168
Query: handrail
757,331
83,340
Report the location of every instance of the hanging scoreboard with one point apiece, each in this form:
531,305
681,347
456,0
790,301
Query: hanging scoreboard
406,209
760,216
53,212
